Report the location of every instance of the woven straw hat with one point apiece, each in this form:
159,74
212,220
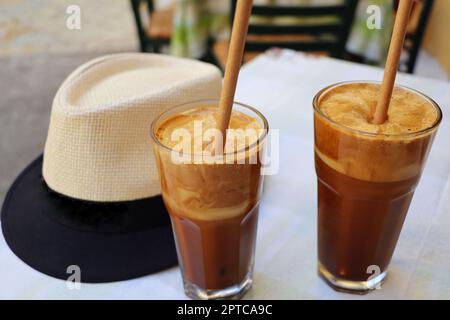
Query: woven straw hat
98,146
99,206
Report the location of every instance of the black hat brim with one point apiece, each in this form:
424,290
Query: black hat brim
106,241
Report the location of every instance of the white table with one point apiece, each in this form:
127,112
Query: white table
282,86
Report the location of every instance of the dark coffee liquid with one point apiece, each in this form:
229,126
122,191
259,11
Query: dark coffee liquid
216,254
359,222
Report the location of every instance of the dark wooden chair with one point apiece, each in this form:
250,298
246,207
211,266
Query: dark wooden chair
157,31
325,36
415,32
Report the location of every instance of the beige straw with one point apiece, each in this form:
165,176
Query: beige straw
234,61
393,59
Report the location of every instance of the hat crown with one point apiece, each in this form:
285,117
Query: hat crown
98,145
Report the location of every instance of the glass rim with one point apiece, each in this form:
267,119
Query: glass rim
372,134
215,102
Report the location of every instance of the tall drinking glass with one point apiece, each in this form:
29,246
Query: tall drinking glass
213,206
366,181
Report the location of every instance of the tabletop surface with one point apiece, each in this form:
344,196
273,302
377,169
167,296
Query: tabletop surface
281,85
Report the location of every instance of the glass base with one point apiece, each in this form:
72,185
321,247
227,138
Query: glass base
349,286
234,292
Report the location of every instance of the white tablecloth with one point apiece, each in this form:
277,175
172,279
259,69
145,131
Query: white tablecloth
282,86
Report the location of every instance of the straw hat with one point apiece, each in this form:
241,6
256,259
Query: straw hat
99,204
98,146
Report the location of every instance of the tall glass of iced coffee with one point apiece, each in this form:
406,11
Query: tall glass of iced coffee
367,175
212,197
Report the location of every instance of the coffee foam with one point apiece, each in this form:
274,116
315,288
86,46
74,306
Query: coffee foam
380,153
237,138
207,191
353,105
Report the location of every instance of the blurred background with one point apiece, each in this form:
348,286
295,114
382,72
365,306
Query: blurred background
42,41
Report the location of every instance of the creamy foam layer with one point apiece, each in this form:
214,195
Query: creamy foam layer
393,153
353,106
207,191
243,129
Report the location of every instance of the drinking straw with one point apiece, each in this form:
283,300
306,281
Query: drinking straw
392,62
233,64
